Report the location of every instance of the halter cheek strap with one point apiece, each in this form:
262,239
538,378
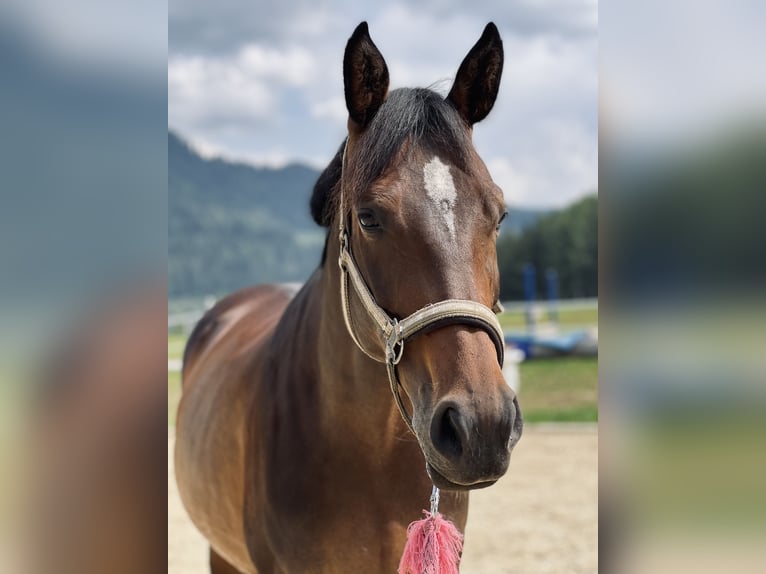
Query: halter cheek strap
394,334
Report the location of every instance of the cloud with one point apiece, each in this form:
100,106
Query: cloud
220,92
261,81
517,186
333,109
533,179
292,67
224,26
202,91
658,88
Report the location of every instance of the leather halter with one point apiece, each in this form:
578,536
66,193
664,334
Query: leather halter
393,334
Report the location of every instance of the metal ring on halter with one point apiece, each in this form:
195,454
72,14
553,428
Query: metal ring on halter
395,338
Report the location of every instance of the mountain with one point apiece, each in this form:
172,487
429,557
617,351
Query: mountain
231,225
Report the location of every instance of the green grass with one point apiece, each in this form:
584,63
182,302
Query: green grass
561,389
583,414
552,390
568,318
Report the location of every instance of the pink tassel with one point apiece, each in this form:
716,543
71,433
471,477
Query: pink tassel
433,546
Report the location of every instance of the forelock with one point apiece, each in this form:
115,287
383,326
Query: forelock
418,117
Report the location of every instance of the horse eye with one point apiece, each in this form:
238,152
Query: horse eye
367,219
502,218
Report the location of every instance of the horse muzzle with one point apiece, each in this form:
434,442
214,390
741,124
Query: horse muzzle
468,448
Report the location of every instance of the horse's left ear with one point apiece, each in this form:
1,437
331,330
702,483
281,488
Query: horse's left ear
365,76
478,78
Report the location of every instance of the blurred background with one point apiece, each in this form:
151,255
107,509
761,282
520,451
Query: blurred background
83,248
682,263
255,112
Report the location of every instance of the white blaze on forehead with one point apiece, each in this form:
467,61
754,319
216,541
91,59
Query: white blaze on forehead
441,190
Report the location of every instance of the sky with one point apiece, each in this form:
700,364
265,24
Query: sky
262,82
680,72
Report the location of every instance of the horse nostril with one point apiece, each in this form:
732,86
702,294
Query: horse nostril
446,433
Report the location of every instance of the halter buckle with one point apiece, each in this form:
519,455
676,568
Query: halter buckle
394,354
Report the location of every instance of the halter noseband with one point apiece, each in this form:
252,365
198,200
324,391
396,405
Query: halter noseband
392,333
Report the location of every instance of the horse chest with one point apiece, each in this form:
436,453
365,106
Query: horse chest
336,516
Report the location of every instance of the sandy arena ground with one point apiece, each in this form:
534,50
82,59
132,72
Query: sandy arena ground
542,518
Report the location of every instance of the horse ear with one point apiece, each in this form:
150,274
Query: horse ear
478,79
365,76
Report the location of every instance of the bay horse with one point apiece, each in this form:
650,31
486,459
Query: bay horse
292,455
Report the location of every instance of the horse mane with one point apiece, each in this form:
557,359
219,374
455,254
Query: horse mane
419,116
324,189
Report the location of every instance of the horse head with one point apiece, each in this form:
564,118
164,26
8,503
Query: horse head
418,209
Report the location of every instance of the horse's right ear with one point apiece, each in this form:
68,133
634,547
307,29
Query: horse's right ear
365,77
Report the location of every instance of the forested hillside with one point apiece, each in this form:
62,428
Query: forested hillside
566,241
232,225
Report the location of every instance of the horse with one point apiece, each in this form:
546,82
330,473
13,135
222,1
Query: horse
296,449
